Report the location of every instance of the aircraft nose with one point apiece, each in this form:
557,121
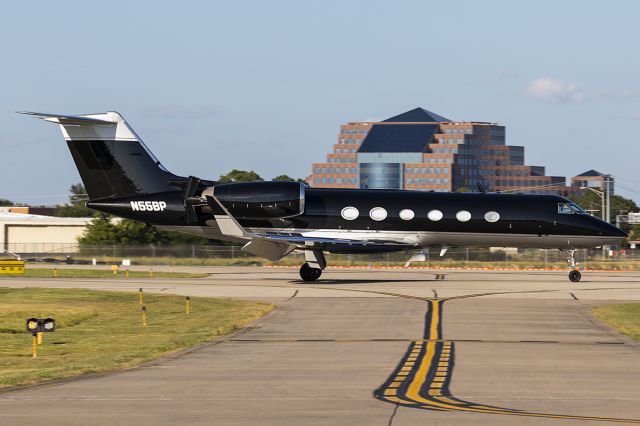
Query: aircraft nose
605,229
609,230
616,232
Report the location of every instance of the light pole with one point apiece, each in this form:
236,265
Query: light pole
603,215
608,189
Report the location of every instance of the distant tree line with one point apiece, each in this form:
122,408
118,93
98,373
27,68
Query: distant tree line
236,175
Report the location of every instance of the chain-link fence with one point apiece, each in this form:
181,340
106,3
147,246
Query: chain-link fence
224,255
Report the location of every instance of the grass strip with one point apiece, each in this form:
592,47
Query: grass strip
623,317
99,331
103,273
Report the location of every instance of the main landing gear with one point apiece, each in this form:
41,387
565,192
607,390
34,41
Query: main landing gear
308,273
574,274
316,262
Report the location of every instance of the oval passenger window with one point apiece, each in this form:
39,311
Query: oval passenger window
407,214
435,215
349,213
463,216
378,213
492,216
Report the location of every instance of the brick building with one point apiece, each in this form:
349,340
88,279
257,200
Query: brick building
593,179
420,150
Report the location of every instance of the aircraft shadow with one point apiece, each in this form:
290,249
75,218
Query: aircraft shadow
354,281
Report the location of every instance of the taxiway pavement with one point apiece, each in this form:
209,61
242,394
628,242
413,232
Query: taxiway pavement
368,348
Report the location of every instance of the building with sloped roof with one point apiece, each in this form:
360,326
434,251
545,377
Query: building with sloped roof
594,179
421,150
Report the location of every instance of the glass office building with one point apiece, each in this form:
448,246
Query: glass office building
420,150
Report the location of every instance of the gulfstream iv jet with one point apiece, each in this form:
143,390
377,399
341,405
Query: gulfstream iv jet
272,219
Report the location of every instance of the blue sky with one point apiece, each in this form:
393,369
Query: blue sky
212,86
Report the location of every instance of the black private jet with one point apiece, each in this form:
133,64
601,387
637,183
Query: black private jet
272,219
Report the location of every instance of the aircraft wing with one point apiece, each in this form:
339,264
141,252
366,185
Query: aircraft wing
275,245
301,239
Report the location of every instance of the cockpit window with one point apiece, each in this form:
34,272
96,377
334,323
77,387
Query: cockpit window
570,208
576,208
565,209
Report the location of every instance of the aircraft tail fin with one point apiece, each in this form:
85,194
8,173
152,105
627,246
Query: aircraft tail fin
111,158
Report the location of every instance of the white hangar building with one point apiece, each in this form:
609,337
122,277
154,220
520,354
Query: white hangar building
29,233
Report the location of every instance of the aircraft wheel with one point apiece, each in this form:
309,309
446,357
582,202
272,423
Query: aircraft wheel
308,273
575,276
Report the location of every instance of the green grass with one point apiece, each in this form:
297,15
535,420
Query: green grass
103,273
99,331
623,317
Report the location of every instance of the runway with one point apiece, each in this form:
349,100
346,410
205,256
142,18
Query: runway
374,348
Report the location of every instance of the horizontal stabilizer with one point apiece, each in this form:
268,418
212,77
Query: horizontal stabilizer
68,119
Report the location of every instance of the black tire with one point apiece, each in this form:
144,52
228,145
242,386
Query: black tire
307,273
575,276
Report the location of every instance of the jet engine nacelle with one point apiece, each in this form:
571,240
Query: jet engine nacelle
260,200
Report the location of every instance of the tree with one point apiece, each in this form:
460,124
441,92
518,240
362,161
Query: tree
236,175
284,178
101,230
75,207
5,202
463,189
591,201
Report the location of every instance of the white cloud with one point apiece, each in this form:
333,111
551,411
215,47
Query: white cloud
553,90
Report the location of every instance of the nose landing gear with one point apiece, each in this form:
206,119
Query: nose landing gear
574,274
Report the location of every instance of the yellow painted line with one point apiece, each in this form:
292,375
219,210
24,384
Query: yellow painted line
413,393
446,404
398,400
484,407
449,400
438,379
441,374
390,392
435,315
402,373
